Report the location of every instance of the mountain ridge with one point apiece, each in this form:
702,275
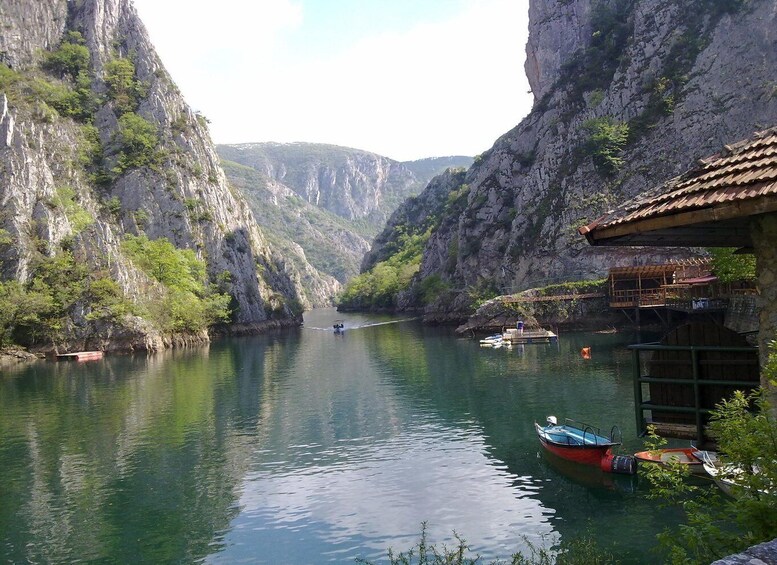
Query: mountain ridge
328,200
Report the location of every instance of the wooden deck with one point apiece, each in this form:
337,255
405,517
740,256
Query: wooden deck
553,298
80,356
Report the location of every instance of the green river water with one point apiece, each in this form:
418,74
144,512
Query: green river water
305,447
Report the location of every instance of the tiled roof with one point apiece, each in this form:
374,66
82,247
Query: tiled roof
741,172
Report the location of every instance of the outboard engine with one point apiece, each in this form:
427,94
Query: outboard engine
623,464
552,420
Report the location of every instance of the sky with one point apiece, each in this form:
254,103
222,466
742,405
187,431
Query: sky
406,79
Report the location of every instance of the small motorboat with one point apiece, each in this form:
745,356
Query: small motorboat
687,456
495,340
338,326
584,444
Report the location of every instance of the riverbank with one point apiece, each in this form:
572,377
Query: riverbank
568,314
14,355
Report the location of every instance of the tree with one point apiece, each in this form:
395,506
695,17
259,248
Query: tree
138,140
606,140
718,525
188,303
123,88
730,267
71,57
20,307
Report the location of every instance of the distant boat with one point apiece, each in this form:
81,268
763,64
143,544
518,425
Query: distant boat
689,457
338,326
584,444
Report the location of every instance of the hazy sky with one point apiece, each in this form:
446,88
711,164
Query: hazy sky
403,78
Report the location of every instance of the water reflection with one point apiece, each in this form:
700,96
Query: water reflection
305,447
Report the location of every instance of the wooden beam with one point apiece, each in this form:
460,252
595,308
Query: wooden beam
720,213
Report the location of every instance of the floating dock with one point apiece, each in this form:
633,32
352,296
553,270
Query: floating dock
80,356
516,336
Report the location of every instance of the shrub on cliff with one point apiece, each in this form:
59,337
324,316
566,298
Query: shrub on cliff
187,302
71,57
137,138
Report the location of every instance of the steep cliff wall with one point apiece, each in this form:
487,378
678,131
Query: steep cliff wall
121,144
629,94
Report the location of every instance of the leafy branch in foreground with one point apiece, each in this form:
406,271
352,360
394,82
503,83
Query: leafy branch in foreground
577,551
718,525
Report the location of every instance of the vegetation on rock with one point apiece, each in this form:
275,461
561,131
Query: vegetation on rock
606,140
378,288
187,302
61,294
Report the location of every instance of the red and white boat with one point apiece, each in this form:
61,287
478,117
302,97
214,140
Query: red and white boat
584,444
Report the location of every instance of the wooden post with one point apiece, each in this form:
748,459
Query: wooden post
638,394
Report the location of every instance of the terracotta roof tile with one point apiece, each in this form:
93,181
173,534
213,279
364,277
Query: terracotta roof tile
742,171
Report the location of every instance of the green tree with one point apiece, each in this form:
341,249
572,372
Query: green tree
730,267
606,140
123,88
188,303
718,525
71,57
20,307
138,140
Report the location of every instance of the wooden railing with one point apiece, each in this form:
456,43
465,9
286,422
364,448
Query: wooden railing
692,364
635,297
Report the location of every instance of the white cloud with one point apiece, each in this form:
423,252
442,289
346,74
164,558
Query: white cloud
450,87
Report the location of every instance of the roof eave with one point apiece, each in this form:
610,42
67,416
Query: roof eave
621,233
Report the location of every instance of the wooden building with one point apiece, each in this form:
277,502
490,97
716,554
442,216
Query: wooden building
727,200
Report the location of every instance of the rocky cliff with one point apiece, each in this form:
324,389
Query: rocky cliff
97,145
323,204
353,184
628,94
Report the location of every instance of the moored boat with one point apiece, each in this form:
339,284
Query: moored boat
735,480
686,456
584,444
492,341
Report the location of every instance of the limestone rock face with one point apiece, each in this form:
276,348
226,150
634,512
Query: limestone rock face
183,195
353,184
30,27
681,78
557,31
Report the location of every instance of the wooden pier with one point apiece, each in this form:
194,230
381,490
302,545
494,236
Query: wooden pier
80,356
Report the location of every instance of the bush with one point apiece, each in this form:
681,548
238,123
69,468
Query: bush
70,59
79,218
188,304
729,267
579,550
138,141
432,287
719,525
606,140
124,90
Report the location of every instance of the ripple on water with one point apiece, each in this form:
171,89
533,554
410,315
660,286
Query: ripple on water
379,492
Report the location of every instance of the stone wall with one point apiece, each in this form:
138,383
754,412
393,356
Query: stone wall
761,554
